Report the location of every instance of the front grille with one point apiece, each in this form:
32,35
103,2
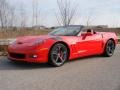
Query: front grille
17,56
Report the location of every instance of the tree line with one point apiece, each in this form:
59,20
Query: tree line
65,14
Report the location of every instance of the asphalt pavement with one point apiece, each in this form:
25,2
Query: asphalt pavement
91,73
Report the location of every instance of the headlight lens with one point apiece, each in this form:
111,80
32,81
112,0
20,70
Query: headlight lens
39,42
12,41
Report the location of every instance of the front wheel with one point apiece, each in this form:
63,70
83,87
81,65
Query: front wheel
109,49
58,55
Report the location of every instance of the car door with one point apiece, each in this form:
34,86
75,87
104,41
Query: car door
89,44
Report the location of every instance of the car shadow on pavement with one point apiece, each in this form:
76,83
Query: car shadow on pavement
118,88
6,64
87,58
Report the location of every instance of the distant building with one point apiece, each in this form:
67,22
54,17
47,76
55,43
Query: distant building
66,26
93,27
102,26
97,27
39,27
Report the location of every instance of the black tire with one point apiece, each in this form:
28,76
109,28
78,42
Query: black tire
109,48
58,55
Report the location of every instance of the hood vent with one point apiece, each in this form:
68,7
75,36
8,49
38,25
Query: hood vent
19,43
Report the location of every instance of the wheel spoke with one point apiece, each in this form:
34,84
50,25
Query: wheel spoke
57,59
59,49
61,59
62,56
109,49
54,53
64,53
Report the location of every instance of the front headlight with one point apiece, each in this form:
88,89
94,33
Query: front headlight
12,41
39,42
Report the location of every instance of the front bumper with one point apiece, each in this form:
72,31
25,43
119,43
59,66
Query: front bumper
37,55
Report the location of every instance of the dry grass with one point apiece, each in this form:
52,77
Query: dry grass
15,32
3,50
18,33
119,41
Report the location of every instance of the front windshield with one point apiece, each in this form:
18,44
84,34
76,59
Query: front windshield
66,31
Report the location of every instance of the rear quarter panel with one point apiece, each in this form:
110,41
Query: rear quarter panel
109,35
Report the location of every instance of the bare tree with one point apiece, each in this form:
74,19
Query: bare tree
33,7
3,13
88,22
23,16
6,14
11,17
90,18
66,12
35,12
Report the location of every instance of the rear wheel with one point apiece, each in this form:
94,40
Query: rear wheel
58,55
109,49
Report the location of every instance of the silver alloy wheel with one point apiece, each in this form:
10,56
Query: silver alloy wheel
110,48
59,54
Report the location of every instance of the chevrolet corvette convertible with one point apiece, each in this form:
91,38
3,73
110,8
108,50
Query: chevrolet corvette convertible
62,44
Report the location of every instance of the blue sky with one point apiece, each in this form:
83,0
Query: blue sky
101,11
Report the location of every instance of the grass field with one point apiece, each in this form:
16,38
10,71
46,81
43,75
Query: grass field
19,33
13,33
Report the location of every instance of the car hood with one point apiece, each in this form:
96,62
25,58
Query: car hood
27,39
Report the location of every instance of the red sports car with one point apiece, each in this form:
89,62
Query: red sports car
62,44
